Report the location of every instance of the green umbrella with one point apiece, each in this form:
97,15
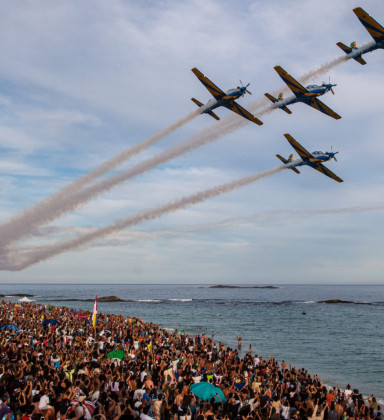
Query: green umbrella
205,391
50,307
116,354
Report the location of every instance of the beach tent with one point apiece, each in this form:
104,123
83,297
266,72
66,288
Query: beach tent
205,391
116,354
25,299
11,327
51,321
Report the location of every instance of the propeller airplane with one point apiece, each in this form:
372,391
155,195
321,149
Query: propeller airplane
308,95
373,28
314,160
226,99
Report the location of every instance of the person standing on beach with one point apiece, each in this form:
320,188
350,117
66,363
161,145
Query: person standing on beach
239,340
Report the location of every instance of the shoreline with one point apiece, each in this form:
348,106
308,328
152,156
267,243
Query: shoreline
111,299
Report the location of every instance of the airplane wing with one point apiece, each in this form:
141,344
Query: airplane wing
215,91
320,106
303,153
321,168
297,88
375,29
235,107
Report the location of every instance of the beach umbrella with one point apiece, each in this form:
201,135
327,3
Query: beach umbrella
11,327
205,391
82,316
116,354
51,321
50,307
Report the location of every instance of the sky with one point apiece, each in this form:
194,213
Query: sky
82,81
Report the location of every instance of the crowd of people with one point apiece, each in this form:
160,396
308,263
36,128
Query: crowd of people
56,365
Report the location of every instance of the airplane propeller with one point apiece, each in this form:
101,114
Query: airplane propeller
246,90
329,84
333,154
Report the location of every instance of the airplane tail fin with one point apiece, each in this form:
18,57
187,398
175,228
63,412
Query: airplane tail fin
199,104
287,161
348,50
274,100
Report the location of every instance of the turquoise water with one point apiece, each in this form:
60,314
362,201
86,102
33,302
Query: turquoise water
342,343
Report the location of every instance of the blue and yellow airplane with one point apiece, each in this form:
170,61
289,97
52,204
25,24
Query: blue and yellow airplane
308,95
314,160
374,29
221,98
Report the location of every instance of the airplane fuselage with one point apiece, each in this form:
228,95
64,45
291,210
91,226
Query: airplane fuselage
230,95
318,157
313,91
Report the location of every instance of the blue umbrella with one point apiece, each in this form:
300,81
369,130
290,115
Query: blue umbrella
206,391
12,327
51,321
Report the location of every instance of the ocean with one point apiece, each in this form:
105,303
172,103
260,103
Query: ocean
342,343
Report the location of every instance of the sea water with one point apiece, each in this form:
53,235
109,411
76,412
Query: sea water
342,343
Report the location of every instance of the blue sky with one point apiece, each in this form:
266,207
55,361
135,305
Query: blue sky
82,81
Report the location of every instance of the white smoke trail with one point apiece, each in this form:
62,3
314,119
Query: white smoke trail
24,223
32,256
325,68
282,215
121,237
71,196
11,261
53,208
